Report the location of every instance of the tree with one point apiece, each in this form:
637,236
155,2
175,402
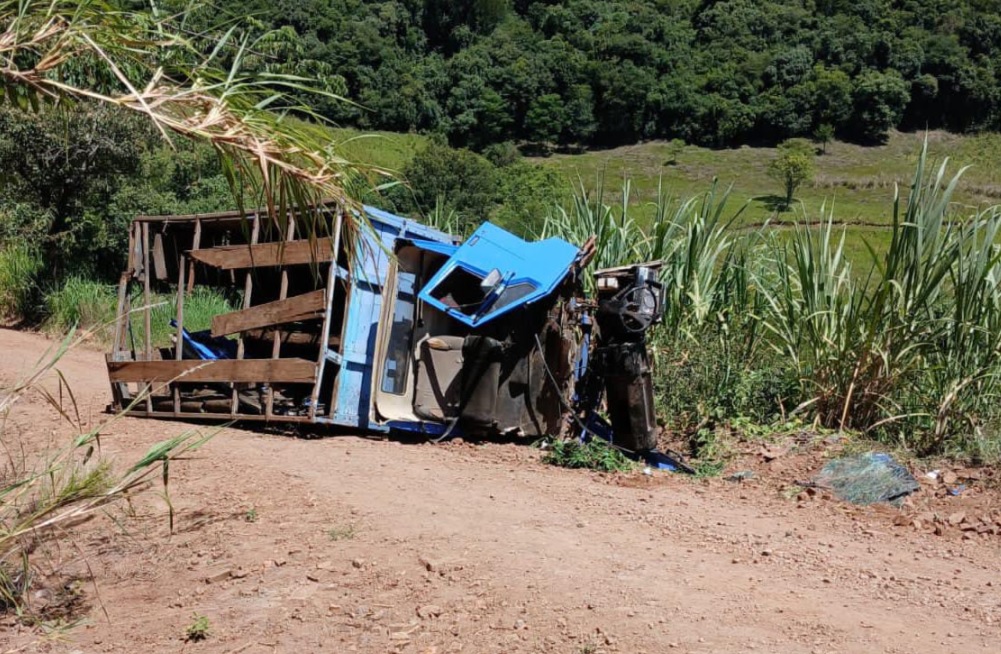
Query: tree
545,119
456,179
833,99
64,164
674,149
824,134
792,166
879,100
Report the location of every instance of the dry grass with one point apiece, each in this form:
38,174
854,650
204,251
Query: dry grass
45,491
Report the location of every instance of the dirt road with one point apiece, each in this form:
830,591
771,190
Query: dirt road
345,544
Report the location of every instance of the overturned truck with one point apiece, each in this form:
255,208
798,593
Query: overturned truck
390,326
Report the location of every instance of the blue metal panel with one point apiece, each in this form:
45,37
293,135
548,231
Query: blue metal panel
535,269
353,402
441,248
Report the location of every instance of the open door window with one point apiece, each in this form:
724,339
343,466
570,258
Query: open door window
494,272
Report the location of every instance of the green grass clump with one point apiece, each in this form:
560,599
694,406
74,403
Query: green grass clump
19,269
344,532
199,629
593,455
199,308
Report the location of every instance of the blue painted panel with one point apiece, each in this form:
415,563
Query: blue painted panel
353,403
441,248
529,272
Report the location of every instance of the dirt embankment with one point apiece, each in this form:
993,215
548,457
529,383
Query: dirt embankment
347,544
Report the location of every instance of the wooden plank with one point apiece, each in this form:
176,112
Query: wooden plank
159,258
147,298
299,307
279,253
147,311
276,344
289,337
297,371
216,417
248,289
325,330
122,315
179,345
323,204
195,244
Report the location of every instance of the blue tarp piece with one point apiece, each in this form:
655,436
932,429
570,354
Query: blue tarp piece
527,272
867,479
205,346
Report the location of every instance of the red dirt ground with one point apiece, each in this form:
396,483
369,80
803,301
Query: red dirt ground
368,545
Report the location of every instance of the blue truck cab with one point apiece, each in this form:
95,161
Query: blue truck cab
390,325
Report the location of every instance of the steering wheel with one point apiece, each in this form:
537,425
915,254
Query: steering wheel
638,309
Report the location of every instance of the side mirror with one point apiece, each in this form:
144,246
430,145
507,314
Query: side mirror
490,282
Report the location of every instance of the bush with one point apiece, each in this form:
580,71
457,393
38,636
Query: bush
464,180
715,380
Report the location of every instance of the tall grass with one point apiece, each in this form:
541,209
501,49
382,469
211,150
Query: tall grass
618,238
20,266
91,306
905,345
82,303
909,349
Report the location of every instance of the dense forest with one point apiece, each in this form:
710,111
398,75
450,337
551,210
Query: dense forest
496,76
603,72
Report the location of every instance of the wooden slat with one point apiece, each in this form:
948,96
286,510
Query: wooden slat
147,298
276,343
299,307
195,244
179,340
298,371
229,257
147,310
248,289
216,417
325,330
159,258
289,337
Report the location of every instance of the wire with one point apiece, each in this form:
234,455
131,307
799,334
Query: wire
559,393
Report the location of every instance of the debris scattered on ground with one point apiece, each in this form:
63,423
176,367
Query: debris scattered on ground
867,479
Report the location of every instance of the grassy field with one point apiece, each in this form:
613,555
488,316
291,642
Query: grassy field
859,181
387,150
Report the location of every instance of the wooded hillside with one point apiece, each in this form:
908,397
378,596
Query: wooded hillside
602,72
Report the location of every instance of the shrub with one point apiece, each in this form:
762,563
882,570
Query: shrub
199,629
716,379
